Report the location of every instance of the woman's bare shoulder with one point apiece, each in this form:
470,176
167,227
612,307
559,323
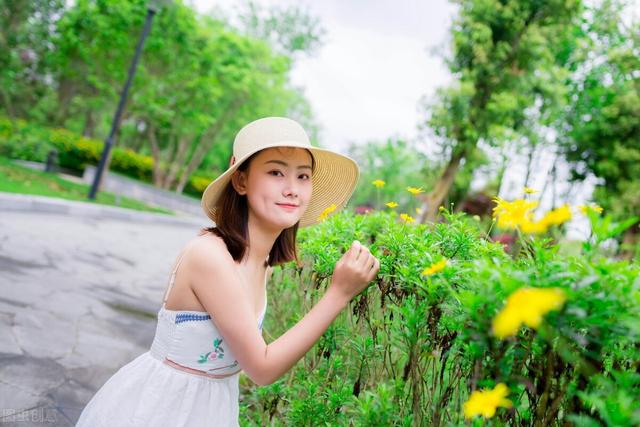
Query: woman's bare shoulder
207,249
210,264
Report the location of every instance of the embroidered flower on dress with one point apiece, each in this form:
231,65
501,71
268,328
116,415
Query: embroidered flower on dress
216,354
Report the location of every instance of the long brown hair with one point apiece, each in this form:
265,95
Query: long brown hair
232,216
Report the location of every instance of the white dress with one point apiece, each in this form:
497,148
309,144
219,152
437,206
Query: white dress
187,378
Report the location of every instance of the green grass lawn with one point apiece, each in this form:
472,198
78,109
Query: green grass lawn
15,178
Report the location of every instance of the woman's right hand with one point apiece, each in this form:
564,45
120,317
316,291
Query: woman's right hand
354,271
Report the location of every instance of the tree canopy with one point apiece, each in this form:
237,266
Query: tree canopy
198,81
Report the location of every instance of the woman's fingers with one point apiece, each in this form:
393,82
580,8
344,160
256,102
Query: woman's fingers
355,249
364,258
374,269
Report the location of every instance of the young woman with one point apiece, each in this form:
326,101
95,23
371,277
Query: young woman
209,325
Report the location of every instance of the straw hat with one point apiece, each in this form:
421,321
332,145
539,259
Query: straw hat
334,177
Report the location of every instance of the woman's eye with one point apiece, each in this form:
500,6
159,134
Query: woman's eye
306,176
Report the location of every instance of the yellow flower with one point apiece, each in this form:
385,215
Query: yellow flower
326,212
594,207
526,305
558,216
435,268
391,204
512,214
378,183
537,227
554,217
528,190
486,402
418,211
406,217
415,191
518,214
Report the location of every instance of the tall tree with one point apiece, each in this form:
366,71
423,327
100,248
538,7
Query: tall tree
199,83
94,42
600,133
507,70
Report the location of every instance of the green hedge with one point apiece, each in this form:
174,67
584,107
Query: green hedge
26,141
419,343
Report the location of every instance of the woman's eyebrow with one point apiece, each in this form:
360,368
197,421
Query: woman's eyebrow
285,164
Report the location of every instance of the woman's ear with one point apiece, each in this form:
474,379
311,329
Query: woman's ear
238,180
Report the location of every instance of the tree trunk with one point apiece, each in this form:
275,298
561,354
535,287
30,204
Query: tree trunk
66,93
182,148
163,166
484,90
433,200
89,124
137,142
157,174
202,148
169,154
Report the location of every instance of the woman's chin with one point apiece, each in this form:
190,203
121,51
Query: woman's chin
282,223
288,220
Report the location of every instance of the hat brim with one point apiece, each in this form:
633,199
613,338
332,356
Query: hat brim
334,180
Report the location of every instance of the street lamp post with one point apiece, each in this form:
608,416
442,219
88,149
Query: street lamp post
152,9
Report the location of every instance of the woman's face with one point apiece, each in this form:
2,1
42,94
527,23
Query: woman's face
278,185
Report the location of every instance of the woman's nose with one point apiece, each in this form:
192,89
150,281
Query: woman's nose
291,187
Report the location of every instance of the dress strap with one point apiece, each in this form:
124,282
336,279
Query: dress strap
172,279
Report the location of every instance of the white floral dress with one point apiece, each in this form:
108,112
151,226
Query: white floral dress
187,378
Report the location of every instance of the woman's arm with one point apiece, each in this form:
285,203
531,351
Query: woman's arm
291,346
217,286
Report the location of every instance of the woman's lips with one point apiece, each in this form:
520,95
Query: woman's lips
287,207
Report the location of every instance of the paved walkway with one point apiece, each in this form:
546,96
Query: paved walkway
78,299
